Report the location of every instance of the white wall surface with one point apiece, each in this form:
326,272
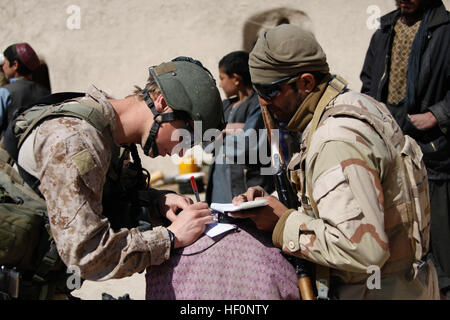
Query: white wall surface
117,40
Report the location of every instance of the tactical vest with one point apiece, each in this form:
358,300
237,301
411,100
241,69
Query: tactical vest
405,186
26,242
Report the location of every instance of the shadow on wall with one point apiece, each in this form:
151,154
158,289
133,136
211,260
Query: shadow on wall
41,75
269,19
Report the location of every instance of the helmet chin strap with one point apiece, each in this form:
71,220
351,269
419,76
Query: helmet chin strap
165,117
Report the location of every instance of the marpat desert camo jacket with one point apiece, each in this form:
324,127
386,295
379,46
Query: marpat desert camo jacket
71,160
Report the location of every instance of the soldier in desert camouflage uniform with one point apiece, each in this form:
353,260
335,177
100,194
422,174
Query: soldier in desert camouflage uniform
355,211
71,160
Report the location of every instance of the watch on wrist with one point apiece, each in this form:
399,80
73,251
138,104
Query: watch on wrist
172,239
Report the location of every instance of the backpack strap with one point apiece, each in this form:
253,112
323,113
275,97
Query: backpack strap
372,116
90,113
7,167
76,109
48,262
83,108
336,86
51,99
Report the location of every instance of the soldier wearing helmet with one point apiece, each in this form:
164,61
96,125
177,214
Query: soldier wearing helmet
72,160
20,60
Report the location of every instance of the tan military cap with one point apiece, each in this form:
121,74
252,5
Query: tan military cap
284,51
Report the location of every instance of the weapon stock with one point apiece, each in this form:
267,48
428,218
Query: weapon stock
287,196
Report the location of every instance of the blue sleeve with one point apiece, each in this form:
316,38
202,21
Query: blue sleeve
5,102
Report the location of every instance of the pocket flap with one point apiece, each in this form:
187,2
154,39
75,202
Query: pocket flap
412,149
327,181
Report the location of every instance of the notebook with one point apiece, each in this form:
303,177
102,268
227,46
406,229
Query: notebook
229,207
215,229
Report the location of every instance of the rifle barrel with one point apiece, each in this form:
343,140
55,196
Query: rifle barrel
289,198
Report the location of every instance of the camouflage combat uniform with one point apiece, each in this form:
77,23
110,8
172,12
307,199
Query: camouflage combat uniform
71,160
361,219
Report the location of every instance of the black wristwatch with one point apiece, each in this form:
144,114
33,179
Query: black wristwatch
172,239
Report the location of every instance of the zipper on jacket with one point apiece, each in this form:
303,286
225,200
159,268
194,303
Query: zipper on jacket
382,79
434,147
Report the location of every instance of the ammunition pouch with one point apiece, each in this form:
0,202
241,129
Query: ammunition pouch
9,283
26,241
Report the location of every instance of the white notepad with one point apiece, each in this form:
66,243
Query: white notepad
229,207
215,229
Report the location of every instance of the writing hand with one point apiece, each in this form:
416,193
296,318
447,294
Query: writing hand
190,224
250,195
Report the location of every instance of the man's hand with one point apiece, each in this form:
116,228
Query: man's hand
423,121
265,217
250,195
233,128
170,203
190,224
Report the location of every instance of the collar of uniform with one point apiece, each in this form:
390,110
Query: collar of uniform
102,98
306,110
13,80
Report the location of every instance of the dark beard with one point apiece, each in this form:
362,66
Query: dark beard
422,7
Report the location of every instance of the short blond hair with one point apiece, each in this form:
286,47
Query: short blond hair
152,88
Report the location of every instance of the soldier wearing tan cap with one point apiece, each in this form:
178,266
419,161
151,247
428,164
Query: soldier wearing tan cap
364,214
20,60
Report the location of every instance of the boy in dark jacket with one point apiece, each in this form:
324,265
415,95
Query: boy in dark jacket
227,176
20,60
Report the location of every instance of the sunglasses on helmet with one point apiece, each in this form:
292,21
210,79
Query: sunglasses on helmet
268,91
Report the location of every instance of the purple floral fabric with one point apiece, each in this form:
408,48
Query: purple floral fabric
242,265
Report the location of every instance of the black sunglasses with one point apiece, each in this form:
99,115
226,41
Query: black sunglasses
268,91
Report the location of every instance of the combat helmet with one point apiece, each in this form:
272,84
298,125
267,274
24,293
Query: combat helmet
188,88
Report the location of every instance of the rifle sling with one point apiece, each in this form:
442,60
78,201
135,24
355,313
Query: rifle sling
336,86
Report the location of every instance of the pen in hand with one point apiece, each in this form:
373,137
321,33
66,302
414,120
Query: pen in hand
194,187
197,196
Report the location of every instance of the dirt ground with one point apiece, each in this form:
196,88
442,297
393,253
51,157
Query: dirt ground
134,286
